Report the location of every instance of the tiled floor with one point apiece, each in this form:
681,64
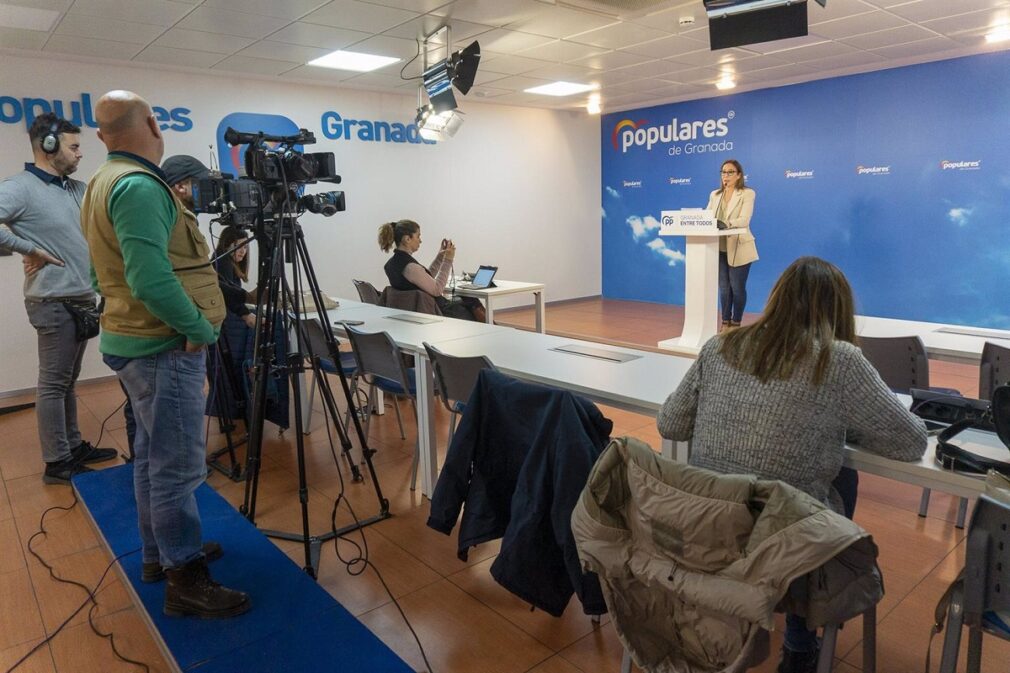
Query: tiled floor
465,620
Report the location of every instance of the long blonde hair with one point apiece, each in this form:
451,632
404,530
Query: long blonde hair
810,304
391,233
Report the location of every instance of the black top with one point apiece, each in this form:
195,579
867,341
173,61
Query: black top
231,287
394,270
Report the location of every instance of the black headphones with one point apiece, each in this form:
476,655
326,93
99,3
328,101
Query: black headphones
51,140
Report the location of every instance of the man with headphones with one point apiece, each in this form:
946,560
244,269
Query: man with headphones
41,207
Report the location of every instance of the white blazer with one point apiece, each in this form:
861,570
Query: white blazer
740,249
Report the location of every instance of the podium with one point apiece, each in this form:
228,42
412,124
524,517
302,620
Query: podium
701,275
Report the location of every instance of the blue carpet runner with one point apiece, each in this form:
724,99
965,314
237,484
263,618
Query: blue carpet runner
294,625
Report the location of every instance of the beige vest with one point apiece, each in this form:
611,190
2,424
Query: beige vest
186,247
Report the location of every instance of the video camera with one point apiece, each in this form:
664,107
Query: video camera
275,178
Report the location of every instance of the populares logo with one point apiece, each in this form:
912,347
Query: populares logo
960,165
680,181
81,112
873,170
636,184
628,133
232,159
799,175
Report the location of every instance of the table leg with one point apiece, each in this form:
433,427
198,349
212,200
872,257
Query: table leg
489,310
541,321
427,444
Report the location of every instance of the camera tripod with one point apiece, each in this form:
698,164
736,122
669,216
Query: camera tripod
280,311
227,389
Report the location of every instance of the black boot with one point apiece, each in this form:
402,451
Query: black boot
798,662
153,572
191,591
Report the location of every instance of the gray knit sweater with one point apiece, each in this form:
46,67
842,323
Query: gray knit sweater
789,430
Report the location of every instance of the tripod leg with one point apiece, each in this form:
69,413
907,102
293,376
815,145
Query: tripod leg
399,418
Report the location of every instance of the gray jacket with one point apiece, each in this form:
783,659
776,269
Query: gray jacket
694,563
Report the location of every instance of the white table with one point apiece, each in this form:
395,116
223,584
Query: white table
411,338
502,288
642,386
954,343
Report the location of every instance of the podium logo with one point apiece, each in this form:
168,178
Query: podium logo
668,220
632,183
960,165
680,181
636,134
873,170
799,175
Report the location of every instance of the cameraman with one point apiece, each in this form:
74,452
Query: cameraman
164,307
41,207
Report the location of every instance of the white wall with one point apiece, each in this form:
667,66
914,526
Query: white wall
517,187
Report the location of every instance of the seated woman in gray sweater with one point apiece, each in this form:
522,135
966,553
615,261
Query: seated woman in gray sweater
779,399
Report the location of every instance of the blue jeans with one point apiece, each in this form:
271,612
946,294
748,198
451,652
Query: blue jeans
797,637
732,289
166,393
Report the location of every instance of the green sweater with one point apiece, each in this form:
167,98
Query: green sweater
143,215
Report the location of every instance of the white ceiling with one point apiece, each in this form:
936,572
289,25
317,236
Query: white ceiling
524,43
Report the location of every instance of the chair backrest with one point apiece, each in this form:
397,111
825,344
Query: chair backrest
367,292
994,370
901,361
317,340
378,355
409,300
454,375
987,572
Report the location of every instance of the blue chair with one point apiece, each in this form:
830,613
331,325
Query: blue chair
455,378
380,364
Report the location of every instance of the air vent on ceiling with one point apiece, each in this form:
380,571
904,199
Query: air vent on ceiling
621,9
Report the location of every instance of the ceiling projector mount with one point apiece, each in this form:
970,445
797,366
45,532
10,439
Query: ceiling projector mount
735,23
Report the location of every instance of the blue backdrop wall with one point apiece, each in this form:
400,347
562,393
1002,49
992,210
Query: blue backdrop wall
900,177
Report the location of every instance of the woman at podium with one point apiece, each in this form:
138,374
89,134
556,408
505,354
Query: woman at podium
733,205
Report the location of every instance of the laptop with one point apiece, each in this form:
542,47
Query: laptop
481,280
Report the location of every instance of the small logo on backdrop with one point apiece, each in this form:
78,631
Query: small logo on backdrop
634,184
625,124
680,181
799,175
232,159
873,170
960,165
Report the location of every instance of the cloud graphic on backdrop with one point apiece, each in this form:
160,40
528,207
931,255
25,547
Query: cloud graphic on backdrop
642,226
959,216
673,257
613,192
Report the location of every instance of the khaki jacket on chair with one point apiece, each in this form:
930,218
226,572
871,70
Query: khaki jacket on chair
740,249
694,563
409,300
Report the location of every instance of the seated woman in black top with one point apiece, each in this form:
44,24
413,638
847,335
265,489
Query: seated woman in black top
405,273
232,271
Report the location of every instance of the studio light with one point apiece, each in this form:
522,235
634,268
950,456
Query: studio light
439,118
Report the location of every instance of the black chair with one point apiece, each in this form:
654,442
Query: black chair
367,292
381,365
994,370
455,378
903,365
984,586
